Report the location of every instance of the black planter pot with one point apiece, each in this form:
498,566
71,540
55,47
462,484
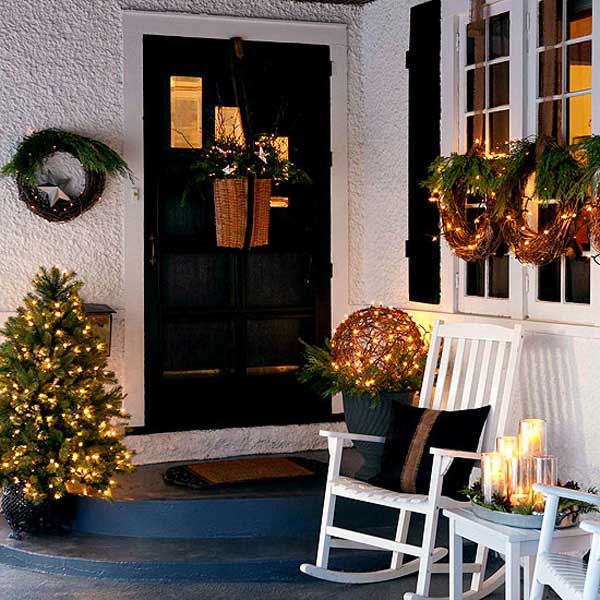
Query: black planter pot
23,516
363,417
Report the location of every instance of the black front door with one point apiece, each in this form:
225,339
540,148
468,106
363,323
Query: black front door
223,326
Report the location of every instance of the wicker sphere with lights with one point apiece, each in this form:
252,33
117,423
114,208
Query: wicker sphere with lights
381,347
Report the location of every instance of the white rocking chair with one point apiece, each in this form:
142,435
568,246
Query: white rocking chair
568,576
473,367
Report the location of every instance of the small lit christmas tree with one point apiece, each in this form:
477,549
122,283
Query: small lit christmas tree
59,404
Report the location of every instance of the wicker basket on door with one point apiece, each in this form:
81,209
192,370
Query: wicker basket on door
262,213
231,212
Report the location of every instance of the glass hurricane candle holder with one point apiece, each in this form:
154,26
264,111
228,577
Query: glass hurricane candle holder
525,479
493,475
508,446
532,438
544,472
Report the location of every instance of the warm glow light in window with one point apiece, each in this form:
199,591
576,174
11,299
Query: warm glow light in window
186,112
282,143
228,124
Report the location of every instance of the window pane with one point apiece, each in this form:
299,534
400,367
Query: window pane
580,117
554,33
550,119
475,42
498,281
553,88
579,67
499,36
549,282
577,284
579,18
470,131
476,278
499,130
475,89
186,112
228,124
499,84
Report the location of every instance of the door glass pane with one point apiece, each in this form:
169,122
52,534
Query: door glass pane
499,84
554,34
556,88
577,284
186,112
550,119
498,279
499,130
499,36
549,282
228,124
476,278
579,66
579,18
580,118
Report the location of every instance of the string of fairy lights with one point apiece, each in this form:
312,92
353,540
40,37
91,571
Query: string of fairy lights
488,202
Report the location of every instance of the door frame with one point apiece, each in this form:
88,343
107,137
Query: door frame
136,24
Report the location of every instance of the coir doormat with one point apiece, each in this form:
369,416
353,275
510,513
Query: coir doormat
242,470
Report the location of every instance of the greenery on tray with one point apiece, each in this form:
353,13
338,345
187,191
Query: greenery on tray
499,503
33,150
327,377
60,407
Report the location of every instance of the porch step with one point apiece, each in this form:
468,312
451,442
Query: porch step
146,507
209,560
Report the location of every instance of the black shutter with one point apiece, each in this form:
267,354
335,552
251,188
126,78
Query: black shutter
423,63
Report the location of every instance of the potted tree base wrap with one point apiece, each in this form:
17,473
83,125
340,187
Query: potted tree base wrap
23,516
366,415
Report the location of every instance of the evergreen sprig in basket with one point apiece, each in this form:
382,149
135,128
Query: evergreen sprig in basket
242,176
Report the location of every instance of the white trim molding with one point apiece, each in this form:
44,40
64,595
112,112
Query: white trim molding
136,24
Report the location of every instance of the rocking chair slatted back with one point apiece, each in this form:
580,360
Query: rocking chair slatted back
470,366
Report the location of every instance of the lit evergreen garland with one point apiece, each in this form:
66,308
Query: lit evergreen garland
59,405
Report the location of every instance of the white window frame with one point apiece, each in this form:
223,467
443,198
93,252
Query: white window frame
522,302
563,311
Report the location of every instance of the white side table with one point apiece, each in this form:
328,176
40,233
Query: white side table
518,546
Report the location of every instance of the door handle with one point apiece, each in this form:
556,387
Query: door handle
152,240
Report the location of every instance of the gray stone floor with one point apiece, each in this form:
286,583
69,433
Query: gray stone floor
17,584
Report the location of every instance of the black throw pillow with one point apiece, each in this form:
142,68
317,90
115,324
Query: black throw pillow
407,463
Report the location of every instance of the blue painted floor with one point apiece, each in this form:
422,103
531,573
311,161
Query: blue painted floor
17,584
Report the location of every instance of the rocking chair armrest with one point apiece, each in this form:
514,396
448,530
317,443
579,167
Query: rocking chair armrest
567,494
591,526
455,453
356,437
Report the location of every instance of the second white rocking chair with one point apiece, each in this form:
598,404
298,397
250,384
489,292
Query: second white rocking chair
468,366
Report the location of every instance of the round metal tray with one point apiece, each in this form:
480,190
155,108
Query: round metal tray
563,520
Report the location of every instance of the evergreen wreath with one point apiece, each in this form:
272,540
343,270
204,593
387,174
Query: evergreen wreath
557,175
460,183
96,159
588,188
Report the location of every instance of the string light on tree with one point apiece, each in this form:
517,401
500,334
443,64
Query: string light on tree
59,406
